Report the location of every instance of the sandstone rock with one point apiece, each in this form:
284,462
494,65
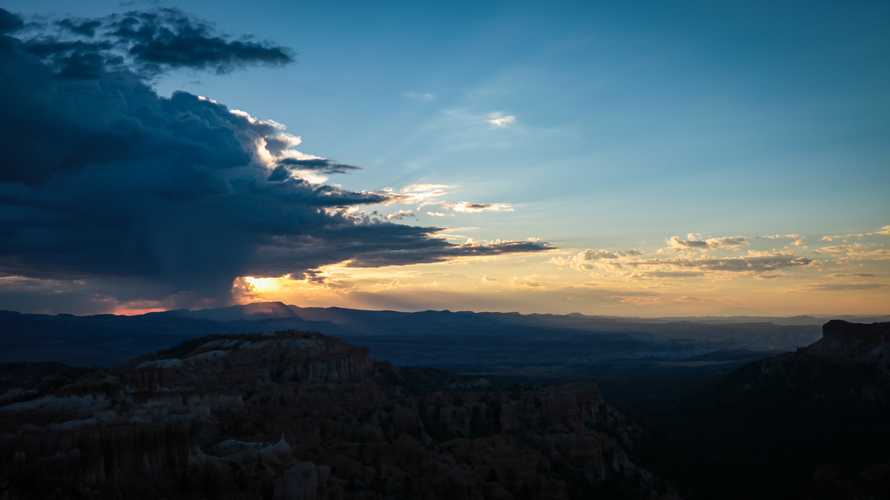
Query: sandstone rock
302,416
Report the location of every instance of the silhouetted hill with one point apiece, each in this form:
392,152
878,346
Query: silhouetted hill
525,344
814,423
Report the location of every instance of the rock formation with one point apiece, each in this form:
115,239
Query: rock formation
303,416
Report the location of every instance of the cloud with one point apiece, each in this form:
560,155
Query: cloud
694,242
795,239
855,251
289,167
109,189
82,27
149,42
421,194
500,120
591,259
674,274
748,263
420,96
168,38
9,22
467,207
319,164
429,195
434,250
883,231
633,263
847,287
401,214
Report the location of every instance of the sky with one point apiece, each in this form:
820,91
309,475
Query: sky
642,159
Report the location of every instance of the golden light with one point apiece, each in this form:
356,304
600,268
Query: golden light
263,285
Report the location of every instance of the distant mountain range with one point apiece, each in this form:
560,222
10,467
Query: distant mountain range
534,344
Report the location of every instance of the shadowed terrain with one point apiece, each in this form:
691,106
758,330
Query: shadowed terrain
304,416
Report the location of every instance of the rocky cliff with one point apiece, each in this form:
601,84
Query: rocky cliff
812,424
303,416
853,343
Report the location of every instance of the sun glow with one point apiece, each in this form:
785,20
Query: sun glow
262,285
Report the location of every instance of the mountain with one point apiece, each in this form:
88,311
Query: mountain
304,416
847,342
507,343
814,423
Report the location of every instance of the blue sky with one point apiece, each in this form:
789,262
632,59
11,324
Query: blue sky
628,122
631,121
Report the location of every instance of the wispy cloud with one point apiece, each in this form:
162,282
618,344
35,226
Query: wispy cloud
794,238
756,263
589,259
401,214
500,120
846,287
855,251
419,96
695,242
467,207
431,195
883,231
633,263
420,194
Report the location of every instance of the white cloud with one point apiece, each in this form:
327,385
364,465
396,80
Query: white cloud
695,242
421,194
590,259
500,120
401,214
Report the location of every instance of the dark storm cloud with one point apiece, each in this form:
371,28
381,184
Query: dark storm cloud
75,59
321,165
82,27
147,42
110,190
9,22
439,250
169,38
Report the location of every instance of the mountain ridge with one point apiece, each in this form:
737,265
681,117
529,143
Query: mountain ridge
419,338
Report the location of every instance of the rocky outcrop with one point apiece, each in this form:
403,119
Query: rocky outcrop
853,342
811,424
303,416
